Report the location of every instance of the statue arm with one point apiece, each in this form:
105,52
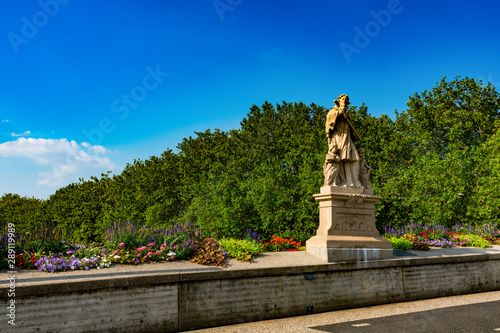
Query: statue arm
356,134
331,119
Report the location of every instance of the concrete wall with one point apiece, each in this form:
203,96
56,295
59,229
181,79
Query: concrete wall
189,300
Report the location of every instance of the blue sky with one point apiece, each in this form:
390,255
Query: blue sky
88,86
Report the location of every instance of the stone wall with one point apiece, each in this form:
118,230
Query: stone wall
190,300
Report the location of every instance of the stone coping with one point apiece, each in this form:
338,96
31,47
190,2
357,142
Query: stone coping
33,283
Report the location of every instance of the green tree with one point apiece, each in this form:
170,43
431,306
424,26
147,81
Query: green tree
24,212
484,205
146,192
441,131
197,156
271,172
77,209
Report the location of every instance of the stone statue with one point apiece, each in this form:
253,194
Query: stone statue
341,167
347,229
364,170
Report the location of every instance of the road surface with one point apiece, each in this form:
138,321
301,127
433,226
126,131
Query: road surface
467,313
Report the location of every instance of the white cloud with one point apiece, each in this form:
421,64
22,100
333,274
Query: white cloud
5,120
27,133
65,158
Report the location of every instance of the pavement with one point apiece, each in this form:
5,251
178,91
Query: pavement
466,313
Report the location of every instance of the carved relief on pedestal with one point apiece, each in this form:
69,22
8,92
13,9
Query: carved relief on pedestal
350,222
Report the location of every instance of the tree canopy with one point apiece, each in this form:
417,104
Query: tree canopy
436,162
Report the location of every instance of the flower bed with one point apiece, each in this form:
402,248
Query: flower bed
422,237
131,244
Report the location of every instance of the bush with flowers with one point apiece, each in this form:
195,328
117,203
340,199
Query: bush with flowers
146,253
27,260
56,264
277,244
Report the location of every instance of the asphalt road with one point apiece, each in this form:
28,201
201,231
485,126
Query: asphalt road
467,313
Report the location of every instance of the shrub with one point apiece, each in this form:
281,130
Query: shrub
492,239
210,253
242,250
401,243
474,240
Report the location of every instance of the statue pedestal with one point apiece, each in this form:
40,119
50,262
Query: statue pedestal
347,229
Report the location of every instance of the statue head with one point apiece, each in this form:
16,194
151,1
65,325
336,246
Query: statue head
342,101
361,151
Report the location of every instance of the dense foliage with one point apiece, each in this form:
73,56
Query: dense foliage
437,162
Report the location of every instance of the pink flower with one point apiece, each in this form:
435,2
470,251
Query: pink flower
145,257
150,253
164,245
115,252
122,244
151,244
175,247
158,252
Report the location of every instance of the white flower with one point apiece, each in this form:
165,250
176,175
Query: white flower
171,253
117,257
